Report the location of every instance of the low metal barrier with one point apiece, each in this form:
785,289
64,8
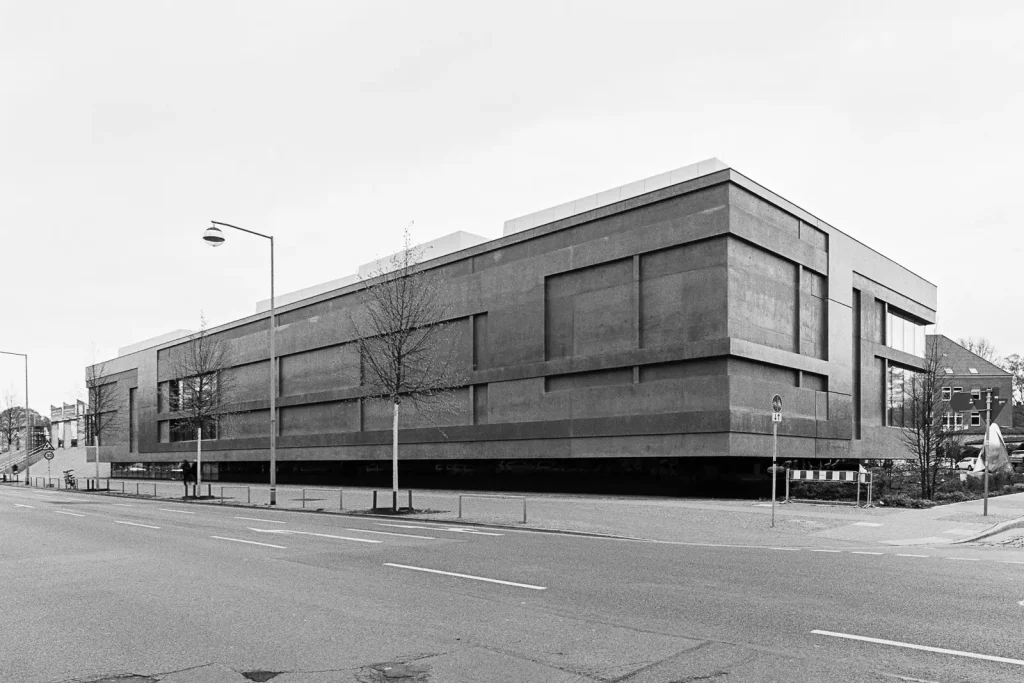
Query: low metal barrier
829,476
483,495
341,500
394,499
248,493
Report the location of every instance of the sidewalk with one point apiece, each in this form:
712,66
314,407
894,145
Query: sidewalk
681,520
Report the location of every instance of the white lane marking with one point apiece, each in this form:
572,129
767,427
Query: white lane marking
866,524
965,559
148,526
908,678
124,505
391,533
785,548
73,514
1021,603
467,576
455,529
310,533
909,555
180,512
762,505
1009,562
21,505
863,552
925,648
819,550
257,519
239,540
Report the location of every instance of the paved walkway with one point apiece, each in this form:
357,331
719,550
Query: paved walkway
682,520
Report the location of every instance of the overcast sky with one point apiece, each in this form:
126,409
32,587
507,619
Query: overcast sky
126,126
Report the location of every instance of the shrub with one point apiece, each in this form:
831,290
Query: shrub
1017,488
953,496
902,500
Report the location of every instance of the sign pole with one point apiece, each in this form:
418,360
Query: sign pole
984,447
775,454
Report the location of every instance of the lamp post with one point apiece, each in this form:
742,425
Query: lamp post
214,236
28,415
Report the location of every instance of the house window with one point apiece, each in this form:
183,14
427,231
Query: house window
973,371
903,334
902,385
975,394
957,390
947,394
949,371
953,421
975,419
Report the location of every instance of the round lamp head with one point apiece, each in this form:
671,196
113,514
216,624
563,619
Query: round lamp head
214,236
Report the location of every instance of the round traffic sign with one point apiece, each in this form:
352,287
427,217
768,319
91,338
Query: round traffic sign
777,403
48,455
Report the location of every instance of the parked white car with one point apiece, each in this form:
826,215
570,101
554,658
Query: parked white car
969,464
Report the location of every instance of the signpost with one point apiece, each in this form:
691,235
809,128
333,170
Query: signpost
992,406
776,419
49,456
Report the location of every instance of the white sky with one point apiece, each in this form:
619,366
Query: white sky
126,126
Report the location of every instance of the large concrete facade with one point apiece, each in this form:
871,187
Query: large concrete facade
655,320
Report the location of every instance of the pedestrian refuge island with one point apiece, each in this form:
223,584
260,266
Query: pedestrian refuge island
823,476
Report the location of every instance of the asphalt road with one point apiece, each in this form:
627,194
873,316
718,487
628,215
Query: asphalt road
93,586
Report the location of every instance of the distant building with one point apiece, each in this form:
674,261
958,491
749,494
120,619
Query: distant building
967,372
67,424
633,339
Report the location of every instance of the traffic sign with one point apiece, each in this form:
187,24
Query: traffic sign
776,417
777,403
48,455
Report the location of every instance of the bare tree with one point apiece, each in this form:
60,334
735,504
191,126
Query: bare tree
929,431
1014,364
407,342
104,409
981,347
200,391
11,418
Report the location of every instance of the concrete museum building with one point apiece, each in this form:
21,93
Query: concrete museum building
630,340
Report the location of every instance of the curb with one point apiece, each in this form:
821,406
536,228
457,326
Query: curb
342,513
1002,526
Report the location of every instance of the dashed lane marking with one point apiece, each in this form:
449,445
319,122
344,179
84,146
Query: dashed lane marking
925,648
73,514
454,529
909,555
866,524
908,678
124,505
180,512
467,576
785,548
290,532
22,505
391,533
965,559
864,552
148,526
239,540
821,550
257,519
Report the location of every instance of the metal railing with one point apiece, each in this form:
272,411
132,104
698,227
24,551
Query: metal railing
483,495
248,493
341,498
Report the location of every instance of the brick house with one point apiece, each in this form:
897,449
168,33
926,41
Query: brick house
969,372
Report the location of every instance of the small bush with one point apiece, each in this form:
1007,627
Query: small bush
902,500
1018,488
953,497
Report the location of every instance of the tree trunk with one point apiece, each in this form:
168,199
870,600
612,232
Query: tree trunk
394,460
199,462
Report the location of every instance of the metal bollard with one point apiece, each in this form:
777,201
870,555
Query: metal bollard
460,507
341,500
248,495
136,488
524,510
410,499
374,500
154,490
303,497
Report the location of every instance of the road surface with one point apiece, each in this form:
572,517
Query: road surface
96,587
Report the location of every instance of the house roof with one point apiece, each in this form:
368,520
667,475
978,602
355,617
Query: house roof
961,360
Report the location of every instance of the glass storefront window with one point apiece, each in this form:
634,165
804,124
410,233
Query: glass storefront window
904,335
901,385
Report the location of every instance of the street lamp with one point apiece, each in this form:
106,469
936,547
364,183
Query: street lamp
28,415
214,236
